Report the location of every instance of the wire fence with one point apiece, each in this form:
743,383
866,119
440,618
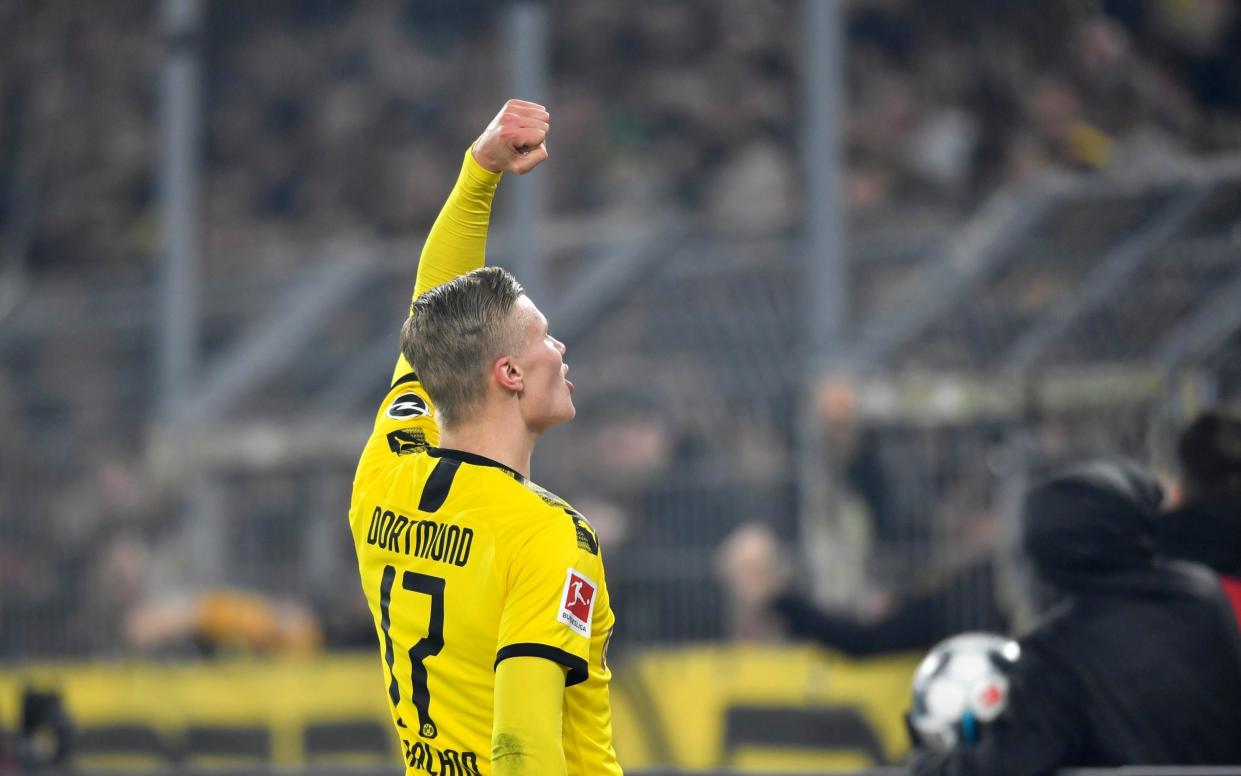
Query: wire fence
688,427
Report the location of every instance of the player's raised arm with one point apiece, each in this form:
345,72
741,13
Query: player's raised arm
514,141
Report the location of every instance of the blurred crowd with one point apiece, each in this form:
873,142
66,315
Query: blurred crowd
329,117
334,117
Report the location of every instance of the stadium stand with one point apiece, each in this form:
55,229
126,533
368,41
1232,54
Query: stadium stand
722,295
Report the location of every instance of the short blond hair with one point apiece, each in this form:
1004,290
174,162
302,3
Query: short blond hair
453,334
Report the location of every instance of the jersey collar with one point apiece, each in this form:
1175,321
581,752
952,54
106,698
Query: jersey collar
473,458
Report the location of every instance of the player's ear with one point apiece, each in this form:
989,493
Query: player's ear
507,374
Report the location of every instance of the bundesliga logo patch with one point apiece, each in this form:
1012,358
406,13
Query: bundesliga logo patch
577,602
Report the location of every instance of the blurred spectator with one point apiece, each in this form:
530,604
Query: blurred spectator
1205,526
1133,662
951,104
657,520
929,610
224,621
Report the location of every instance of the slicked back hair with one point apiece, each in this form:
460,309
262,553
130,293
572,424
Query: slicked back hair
455,332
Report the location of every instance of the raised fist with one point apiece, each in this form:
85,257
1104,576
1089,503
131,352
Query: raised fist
514,141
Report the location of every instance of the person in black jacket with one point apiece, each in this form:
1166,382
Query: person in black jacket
1133,660
1205,527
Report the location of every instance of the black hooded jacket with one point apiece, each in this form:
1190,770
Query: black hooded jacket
1136,662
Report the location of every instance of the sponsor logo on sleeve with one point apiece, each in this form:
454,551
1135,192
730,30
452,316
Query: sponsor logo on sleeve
404,441
408,405
577,602
586,538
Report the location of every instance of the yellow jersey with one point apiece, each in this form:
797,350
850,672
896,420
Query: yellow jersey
465,563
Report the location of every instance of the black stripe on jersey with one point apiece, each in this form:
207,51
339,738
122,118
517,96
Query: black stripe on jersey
474,458
435,492
412,377
385,596
578,670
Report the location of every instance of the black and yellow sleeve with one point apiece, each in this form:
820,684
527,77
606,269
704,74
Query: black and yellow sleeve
550,593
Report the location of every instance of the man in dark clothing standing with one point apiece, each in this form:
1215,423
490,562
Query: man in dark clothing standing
1133,661
1206,526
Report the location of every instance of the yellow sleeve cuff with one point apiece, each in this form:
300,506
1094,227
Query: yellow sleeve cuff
476,172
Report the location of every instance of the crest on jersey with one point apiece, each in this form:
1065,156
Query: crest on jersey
577,602
407,406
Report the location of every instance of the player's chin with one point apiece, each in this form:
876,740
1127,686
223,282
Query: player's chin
562,413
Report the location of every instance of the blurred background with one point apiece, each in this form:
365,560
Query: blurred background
836,278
